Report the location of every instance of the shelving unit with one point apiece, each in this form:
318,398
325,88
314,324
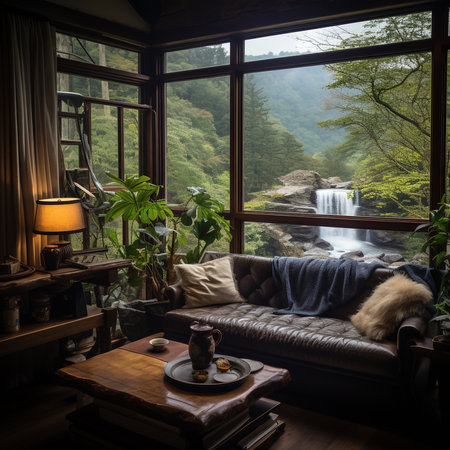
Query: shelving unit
34,334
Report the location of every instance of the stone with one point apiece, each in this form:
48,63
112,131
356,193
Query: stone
305,178
334,181
345,185
392,258
353,255
316,252
375,260
325,245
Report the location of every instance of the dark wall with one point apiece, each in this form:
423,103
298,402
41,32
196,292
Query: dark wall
181,19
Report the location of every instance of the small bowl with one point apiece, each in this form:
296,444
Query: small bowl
159,344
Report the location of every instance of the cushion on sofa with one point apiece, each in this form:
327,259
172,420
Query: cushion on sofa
391,302
209,283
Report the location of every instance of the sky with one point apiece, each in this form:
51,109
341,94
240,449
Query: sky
300,42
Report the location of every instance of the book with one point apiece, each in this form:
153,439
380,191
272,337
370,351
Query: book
265,441
127,422
259,432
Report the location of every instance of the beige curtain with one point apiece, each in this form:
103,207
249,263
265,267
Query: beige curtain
29,167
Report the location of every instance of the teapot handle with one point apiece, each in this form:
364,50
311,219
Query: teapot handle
217,335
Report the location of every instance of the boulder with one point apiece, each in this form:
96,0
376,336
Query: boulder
392,258
334,181
353,255
321,243
298,195
308,178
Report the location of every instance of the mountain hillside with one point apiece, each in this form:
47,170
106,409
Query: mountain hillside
299,99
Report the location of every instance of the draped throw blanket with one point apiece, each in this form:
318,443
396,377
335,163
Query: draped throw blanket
312,286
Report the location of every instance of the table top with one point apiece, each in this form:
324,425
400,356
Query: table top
134,378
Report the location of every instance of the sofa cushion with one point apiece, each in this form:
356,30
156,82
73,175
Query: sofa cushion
322,341
209,283
392,301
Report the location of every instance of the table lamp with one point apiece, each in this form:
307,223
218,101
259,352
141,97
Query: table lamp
58,216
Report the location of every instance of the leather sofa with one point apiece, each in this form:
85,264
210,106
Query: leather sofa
327,357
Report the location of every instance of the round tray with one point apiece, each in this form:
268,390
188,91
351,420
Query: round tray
179,371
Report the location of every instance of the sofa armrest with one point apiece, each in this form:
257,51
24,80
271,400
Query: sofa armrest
410,331
175,294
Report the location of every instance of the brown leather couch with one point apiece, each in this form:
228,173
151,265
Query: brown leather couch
327,357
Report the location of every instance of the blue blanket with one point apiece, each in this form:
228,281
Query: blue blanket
311,286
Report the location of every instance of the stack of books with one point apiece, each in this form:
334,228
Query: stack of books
113,426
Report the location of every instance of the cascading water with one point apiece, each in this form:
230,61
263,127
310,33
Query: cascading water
337,201
346,203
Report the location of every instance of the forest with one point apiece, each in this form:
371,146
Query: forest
365,121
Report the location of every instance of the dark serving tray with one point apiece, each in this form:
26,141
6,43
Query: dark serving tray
179,371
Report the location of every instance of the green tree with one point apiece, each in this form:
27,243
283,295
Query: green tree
386,106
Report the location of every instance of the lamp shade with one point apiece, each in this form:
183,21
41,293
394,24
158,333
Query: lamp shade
58,216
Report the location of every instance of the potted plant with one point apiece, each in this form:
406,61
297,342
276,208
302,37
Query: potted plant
155,231
438,240
138,204
202,215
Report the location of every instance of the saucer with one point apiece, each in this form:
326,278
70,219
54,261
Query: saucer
225,377
254,365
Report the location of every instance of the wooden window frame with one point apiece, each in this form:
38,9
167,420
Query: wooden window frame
437,45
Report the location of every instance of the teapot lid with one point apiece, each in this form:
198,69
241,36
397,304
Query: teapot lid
200,327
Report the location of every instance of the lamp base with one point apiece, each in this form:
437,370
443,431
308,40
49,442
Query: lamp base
65,249
51,257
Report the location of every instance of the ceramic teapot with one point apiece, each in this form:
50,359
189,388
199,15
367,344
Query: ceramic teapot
202,344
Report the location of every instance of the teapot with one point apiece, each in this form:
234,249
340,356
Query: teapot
202,344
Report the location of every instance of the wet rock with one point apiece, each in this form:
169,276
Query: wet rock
392,258
375,260
354,255
325,245
316,252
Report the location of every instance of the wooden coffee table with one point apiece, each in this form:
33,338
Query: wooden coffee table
132,378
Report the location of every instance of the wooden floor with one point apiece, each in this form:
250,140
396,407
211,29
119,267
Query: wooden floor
33,417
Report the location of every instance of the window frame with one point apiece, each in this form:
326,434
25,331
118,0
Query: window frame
438,45
141,80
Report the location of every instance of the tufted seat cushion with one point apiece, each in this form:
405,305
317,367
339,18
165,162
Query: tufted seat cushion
322,341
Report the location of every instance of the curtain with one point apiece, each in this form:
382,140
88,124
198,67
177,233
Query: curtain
29,167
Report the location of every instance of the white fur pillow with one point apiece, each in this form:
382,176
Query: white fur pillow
391,302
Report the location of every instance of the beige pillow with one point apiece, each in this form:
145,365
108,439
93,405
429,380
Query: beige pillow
209,283
391,302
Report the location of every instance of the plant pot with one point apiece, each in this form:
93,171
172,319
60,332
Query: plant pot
442,342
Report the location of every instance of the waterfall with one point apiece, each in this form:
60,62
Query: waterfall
337,201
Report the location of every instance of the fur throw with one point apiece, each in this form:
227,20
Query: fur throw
390,303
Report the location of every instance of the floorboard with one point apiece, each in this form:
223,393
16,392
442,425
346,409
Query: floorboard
34,418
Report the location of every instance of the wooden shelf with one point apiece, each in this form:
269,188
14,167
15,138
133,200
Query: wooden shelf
31,335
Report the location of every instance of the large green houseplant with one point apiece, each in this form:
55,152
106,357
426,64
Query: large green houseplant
156,234
438,241
137,203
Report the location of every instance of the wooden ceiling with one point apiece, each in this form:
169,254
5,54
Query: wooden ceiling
169,21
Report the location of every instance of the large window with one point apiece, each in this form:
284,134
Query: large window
320,141
105,101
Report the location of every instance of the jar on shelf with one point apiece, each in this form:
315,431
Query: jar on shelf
11,314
